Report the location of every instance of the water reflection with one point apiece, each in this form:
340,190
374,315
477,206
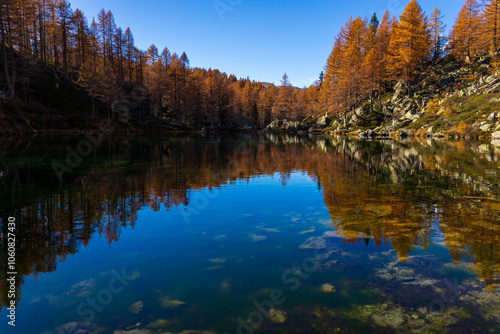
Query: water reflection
408,195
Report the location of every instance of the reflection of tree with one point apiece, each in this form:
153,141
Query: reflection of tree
382,191
397,193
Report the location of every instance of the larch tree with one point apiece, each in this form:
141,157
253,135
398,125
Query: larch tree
64,14
410,42
464,36
128,43
81,37
283,104
382,47
437,28
4,37
351,65
491,25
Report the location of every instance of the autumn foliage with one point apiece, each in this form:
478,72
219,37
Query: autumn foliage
367,59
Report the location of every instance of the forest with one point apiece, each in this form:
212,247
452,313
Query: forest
112,76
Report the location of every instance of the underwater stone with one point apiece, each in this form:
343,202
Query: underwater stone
136,308
277,316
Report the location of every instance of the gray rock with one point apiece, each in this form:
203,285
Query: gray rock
274,126
323,121
370,133
486,127
495,135
494,89
492,117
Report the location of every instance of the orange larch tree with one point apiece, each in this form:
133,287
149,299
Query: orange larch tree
491,25
410,42
464,36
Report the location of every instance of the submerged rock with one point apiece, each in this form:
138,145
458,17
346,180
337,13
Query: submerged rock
134,331
78,327
136,308
277,316
328,288
167,302
160,323
81,287
314,243
257,238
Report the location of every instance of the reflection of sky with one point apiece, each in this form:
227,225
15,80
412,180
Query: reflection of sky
223,227
249,231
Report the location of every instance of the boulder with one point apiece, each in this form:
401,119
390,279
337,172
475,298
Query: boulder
274,126
495,135
323,121
370,133
446,80
494,89
492,117
486,127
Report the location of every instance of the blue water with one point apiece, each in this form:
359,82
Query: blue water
332,249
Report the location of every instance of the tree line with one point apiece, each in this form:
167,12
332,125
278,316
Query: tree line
367,58
103,59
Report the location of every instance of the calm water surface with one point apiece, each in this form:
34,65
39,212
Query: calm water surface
264,234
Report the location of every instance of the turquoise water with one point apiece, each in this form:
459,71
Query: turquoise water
331,235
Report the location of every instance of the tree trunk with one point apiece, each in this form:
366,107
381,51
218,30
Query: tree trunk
11,92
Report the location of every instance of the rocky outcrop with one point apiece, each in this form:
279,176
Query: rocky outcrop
308,124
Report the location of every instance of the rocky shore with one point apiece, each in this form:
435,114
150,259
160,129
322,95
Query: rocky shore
454,101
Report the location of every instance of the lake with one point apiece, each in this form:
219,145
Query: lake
251,234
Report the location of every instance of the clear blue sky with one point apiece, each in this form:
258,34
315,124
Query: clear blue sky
260,39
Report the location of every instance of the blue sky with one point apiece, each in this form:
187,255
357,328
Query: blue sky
260,39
